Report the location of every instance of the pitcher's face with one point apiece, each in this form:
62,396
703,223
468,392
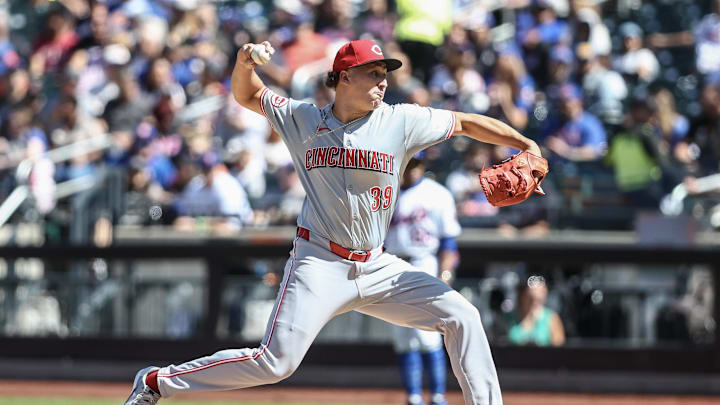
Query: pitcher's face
368,84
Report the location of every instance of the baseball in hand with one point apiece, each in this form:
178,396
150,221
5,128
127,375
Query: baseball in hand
260,55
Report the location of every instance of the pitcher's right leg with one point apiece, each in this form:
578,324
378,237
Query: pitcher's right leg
418,300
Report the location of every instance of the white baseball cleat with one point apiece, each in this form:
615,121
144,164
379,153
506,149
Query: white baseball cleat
439,399
141,393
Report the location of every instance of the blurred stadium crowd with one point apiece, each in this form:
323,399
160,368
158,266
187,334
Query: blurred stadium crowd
623,95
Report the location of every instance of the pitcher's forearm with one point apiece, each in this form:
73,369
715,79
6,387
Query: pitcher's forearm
490,130
245,83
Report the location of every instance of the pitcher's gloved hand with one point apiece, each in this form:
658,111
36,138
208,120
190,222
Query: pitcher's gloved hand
513,180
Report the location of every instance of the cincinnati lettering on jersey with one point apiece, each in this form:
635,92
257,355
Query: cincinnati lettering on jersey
333,156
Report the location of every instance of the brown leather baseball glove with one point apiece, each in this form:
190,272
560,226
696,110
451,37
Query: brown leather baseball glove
513,180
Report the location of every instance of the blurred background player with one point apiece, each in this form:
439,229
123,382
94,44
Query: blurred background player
422,232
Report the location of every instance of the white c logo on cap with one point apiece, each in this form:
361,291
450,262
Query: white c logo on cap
376,49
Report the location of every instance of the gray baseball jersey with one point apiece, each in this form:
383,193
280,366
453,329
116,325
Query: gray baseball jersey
351,173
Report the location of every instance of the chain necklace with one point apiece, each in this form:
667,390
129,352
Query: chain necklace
322,120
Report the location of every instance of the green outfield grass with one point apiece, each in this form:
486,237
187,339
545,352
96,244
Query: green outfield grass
105,401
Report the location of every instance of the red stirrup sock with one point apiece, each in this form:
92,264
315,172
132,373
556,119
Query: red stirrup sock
151,381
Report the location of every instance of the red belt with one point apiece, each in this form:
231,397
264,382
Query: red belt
354,255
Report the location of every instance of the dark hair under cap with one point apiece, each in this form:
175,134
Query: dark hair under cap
332,79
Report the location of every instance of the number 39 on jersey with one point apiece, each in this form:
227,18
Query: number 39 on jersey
381,197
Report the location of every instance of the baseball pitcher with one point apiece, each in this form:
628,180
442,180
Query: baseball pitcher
350,156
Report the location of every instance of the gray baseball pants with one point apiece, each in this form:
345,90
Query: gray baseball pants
319,285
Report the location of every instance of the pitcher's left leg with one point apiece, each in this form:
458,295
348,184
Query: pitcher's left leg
418,300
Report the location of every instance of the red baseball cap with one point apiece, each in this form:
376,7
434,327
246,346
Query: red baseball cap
362,52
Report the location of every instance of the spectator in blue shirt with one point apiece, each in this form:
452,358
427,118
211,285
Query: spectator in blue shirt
576,135
537,32
541,26
560,68
9,58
